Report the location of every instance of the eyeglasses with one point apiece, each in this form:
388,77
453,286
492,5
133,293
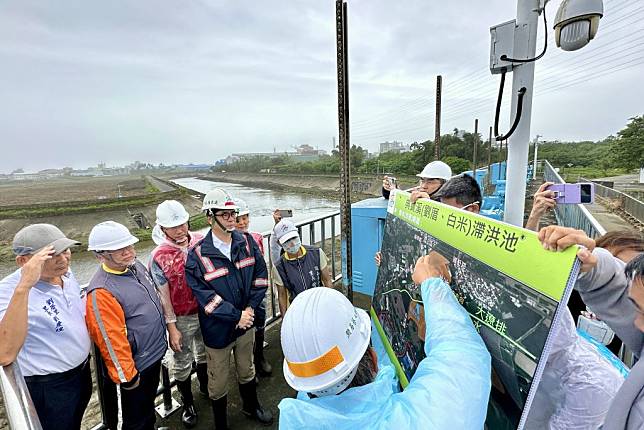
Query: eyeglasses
227,215
428,180
121,252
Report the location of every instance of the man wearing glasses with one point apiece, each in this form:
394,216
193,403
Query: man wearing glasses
228,276
125,320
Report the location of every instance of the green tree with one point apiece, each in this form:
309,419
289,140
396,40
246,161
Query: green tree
457,164
628,148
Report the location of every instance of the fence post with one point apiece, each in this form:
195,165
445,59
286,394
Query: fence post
169,405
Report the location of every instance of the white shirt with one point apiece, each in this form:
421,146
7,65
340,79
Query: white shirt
57,338
222,246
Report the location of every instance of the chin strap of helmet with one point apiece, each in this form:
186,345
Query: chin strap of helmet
221,226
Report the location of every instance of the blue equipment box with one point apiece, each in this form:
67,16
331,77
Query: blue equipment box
367,227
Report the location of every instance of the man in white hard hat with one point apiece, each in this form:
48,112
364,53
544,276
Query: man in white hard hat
433,176
42,326
228,277
327,358
300,267
242,223
168,266
125,320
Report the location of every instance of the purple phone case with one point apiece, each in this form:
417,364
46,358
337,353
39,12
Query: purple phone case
571,193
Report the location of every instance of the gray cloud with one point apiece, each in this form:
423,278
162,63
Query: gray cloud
168,81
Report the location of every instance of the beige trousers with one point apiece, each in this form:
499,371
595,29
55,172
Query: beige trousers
219,364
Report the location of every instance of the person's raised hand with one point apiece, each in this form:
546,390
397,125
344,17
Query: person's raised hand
432,265
277,217
386,183
558,238
544,200
32,270
587,259
415,195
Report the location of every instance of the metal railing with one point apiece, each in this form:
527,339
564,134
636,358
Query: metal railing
575,216
20,410
628,204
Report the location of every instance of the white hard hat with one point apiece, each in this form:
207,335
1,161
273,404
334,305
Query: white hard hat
218,198
171,213
243,207
323,339
285,230
436,170
110,236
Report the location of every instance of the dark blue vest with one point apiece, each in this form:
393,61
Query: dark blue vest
302,273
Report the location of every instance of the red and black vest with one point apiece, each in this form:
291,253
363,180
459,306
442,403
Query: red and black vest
172,260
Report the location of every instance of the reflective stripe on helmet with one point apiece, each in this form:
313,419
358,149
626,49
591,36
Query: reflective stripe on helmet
317,366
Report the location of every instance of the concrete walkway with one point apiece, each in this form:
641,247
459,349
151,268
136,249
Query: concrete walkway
609,220
270,391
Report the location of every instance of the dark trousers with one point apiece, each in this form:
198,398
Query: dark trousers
137,404
61,398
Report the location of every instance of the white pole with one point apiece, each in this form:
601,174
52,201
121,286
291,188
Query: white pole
522,76
534,163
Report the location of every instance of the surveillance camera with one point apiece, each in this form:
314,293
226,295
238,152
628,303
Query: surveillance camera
576,23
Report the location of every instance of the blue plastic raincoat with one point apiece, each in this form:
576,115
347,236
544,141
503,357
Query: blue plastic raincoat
450,389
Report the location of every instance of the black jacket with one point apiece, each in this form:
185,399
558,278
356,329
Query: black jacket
224,288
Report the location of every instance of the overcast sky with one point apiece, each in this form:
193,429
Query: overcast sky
193,81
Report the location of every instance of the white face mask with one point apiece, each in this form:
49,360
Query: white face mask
292,246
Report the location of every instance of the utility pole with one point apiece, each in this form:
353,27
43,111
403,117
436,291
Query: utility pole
534,164
476,144
437,122
525,44
344,143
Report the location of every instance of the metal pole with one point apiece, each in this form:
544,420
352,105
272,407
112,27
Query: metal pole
534,163
489,158
344,146
476,144
437,123
525,43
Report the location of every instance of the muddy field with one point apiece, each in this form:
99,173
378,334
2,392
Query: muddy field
69,189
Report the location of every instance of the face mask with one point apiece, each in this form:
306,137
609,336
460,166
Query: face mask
295,245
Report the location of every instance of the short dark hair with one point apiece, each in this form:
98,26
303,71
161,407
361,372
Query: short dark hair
635,267
463,188
365,373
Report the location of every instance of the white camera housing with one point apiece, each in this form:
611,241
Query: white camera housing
576,23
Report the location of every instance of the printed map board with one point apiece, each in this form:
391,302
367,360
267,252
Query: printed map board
511,287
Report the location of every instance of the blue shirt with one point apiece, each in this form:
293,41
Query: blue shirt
449,390
57,338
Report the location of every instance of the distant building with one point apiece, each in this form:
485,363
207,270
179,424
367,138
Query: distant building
394,146
51,173
302,153
194,167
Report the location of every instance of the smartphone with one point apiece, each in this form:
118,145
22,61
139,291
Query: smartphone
573,193
286,213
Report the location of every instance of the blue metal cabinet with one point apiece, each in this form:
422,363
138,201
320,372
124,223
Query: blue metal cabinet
367,227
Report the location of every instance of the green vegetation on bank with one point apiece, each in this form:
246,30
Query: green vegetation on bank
613,155
71,207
